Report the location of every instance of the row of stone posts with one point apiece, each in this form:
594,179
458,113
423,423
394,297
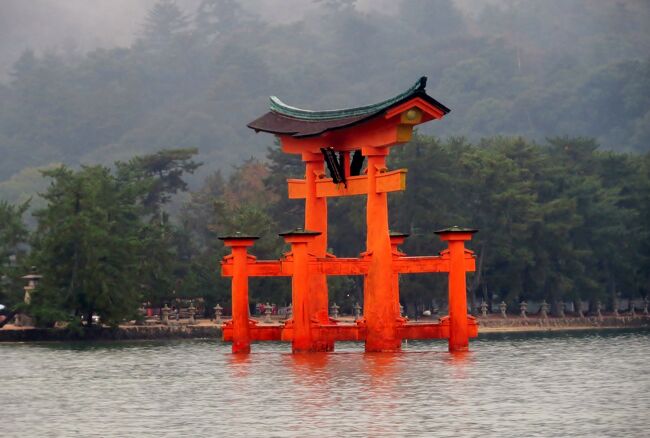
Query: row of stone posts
334,312
561,307
191,314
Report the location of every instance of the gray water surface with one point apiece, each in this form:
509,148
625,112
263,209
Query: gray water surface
569,384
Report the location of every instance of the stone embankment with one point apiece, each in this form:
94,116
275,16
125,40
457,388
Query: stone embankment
211,330
495,323
125,332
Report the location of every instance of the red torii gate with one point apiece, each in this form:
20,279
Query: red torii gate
318,136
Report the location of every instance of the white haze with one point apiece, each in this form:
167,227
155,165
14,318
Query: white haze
83,25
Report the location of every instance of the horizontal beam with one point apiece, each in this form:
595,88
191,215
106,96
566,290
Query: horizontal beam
341,332
271,332
392,181
347,266
350,331
423,264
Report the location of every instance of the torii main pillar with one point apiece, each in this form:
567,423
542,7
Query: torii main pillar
380,313
316,219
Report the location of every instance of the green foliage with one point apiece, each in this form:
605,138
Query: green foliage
562,220
13,239
558,220
104,244
160,174
86,245
193,78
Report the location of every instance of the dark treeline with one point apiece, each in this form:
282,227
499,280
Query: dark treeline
193,77
558,221
559,218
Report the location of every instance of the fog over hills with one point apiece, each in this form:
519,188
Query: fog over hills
87,82
82,25
546,149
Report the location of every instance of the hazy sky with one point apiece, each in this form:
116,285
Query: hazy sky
86,24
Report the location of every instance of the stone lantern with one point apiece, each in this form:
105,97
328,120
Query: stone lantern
335,310
289,311
267,312
165,314
32,280
484,309
523,308
502,308
191,312
357,311
218,311
544,310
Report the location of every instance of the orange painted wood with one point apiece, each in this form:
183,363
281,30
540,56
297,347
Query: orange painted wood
429,111
239,290
308,263
422,264
347,266
297,188
458,318
376,132
341,332
260,268
391,181
316,220
379,310
257,332
341,266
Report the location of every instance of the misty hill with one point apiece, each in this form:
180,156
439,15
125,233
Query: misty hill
194,78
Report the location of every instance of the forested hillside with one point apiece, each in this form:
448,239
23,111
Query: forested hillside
559,221
546,150
194,77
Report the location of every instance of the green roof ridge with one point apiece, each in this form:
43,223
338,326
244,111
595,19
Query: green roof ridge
280,107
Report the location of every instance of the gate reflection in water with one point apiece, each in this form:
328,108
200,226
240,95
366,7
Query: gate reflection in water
572,384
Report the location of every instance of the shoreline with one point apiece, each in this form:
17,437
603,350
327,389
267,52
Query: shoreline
210,330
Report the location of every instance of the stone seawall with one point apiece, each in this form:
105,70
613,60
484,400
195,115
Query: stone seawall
517,323
106,333
210,330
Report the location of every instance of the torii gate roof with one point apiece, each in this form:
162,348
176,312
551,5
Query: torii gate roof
283,119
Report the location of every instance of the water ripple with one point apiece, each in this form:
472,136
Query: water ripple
577,384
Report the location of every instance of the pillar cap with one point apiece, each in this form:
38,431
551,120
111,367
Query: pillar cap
397,234
456,229
299,232
237,236
32,274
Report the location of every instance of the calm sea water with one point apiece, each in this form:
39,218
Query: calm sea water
571,384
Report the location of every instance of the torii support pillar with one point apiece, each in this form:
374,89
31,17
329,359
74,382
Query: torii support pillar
380,312
458,320
241,336
302,339
316,220
397,239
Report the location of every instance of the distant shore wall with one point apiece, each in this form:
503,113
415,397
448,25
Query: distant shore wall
213,331
569,322
106,333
